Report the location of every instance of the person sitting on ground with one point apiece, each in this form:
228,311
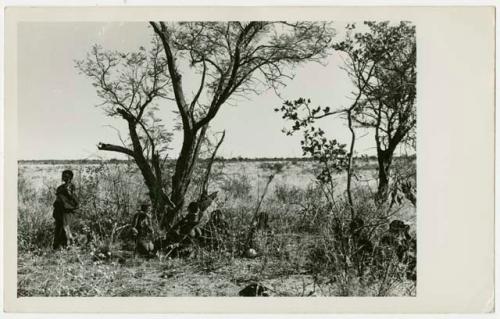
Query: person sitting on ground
143,230
64,207
398,237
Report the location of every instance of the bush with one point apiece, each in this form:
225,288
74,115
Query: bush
352,255
35,223
304,209
108,196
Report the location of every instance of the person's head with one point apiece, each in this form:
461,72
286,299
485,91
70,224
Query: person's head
193,208
145,207
67,176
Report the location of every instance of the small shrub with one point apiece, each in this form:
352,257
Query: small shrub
35,222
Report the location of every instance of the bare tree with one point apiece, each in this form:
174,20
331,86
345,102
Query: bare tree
382,65
232,59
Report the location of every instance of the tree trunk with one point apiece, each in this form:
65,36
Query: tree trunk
349,164
385,160
183,172
384,166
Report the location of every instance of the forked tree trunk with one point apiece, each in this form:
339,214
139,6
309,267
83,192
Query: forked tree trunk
183,173
384,158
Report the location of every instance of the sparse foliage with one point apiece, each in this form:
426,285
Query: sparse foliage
232,58
382,65
329,152
296,228
129,84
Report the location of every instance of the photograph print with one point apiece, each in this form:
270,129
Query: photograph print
240,158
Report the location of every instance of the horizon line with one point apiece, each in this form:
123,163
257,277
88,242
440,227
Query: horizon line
218,158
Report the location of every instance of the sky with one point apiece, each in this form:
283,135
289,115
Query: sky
58,117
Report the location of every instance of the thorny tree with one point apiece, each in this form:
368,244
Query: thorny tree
382,65
232,59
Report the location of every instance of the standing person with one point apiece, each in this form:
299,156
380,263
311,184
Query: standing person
64,207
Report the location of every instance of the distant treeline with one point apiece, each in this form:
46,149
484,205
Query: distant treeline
217,159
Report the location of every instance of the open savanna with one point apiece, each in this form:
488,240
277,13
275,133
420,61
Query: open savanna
297,255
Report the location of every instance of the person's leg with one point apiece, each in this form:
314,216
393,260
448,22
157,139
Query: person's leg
144,247
62,238
55,244
67,217
58,229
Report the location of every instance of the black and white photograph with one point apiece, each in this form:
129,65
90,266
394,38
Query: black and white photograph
217,158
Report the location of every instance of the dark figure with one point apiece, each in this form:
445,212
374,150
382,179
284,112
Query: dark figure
143,231
403,190
192,220
410,192
339,234
399,243
361,244
64,207
197,217
218,221
254,290
399,238
206,200
356,226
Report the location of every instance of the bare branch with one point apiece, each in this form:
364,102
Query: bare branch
208,171
175,76
200,89
115,148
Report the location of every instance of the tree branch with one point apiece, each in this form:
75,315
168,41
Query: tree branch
115,148
175,76
200,89
204,186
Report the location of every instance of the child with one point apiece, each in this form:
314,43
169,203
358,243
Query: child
64,207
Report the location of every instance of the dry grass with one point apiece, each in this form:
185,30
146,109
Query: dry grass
300,222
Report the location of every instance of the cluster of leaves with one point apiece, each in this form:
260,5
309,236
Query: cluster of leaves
329,152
